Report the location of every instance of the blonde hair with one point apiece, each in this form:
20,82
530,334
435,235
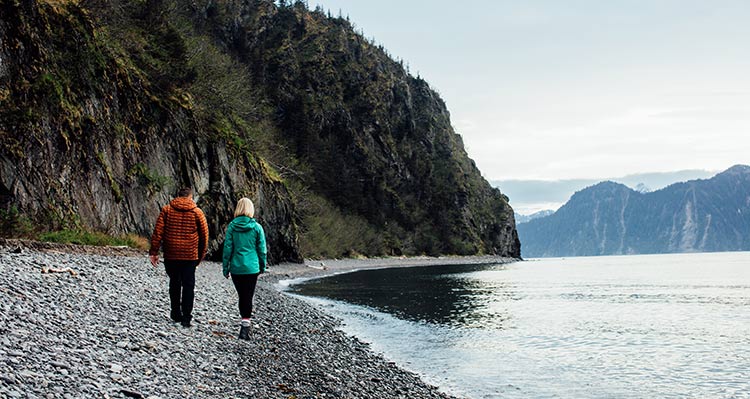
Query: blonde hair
245,207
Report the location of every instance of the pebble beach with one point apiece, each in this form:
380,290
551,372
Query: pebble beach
79,322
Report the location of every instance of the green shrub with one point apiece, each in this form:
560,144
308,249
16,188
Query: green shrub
153,181
328,232
14,224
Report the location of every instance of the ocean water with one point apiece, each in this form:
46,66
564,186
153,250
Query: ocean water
646,326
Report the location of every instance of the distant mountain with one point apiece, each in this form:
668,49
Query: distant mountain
642,188
528,196
609,218
526,218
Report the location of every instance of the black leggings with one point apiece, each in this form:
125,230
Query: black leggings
181,286
245,286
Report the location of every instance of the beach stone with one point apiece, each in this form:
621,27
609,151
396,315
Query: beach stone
131,394
103,341
59,365
27,374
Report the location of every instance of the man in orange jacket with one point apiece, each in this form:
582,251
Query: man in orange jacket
182,231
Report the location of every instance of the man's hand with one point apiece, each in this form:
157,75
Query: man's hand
154,260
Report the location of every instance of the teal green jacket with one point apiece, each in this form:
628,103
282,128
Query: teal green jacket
244,247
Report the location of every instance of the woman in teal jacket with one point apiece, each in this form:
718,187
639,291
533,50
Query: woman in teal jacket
244,258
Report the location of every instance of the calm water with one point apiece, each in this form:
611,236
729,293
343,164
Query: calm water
649,326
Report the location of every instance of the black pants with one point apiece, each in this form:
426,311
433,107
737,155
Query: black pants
245,286
181,286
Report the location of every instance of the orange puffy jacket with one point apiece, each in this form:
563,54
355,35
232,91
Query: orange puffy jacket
182,230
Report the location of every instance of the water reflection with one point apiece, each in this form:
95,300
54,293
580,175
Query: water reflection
437,294
631,327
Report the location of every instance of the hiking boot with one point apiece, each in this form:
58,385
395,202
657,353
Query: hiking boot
244,332
185,323
176,316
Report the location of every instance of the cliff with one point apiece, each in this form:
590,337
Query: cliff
108,107
90,140
611,219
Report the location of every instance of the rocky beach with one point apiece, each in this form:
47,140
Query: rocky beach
94,322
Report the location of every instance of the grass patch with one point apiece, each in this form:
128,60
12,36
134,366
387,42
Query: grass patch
84,237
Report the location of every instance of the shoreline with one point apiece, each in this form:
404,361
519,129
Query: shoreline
329,267
103,330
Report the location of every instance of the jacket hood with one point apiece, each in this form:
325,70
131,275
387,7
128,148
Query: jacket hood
243,223
183,204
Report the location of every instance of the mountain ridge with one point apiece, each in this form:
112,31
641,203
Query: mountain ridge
610,218
525,218
528,196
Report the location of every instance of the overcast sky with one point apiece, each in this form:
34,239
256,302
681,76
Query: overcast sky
579,89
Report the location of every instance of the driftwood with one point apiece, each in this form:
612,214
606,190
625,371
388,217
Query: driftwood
47,270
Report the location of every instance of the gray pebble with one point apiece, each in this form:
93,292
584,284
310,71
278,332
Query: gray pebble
59,365
111,331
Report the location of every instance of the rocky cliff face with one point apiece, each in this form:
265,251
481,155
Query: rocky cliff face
107,109
378,140
611,219
89,141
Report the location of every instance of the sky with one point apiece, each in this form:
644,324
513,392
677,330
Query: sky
569,89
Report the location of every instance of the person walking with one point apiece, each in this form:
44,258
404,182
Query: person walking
182,231
244,258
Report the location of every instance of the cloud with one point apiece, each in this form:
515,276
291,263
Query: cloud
638,139
736,113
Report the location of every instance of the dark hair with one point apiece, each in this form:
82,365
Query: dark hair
185,192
